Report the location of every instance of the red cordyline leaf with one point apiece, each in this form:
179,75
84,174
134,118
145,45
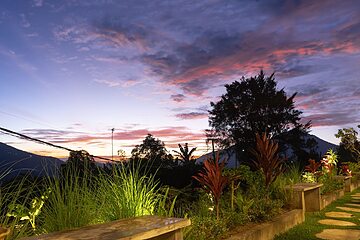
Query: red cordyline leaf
313,166
267,158
212,177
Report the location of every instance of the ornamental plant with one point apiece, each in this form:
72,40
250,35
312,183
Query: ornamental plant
308,177
345,170
311,171
313,166
212,178
329,162
267,158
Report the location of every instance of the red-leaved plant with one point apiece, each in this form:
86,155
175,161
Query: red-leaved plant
267,158
313,166
345,170
213,179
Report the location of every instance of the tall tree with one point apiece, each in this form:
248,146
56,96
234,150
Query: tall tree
80,161
255,105
185,154
349,149
152,150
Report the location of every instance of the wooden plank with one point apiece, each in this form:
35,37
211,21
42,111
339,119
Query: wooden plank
145,227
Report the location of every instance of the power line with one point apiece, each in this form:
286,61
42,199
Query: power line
25,137
41,123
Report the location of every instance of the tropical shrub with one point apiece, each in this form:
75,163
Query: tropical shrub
330,184
345,170
309,177
213,180
329,162
312,172
313,166
267,159
205,228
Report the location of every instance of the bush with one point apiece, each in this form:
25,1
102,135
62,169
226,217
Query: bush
205,228
330,184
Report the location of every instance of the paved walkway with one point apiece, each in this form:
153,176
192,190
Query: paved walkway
336,219
339,221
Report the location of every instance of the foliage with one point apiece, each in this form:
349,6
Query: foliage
244,203
166,204
312,172
72,202
152,150
330,184
329,162
345,170
292,173
121,154
255,105
127,193
354,167
309,177
349,143
29,214
313,166
267,200
267,159
205,228
213,179
185,154
12,194
81,161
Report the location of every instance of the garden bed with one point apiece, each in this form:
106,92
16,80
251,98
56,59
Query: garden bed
328,198
268,230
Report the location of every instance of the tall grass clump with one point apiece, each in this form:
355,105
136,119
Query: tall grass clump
72,202
128,192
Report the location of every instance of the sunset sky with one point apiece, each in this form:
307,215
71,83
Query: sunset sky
71,70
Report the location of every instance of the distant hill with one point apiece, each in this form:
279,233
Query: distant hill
20,162
322,147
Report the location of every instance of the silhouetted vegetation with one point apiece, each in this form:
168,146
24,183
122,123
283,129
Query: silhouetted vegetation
254,105
185,155
253,117
153,151
349,149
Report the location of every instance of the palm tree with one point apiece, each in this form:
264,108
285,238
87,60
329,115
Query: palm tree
184,154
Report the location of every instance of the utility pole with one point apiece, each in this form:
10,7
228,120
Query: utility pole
213,147
112,143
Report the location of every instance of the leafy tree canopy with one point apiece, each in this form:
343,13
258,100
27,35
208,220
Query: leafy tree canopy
255,105
151,149
349,144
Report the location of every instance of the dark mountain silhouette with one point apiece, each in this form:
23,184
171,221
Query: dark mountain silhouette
15,162
229,154
323,146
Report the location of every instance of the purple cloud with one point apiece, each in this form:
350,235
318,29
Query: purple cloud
191,115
